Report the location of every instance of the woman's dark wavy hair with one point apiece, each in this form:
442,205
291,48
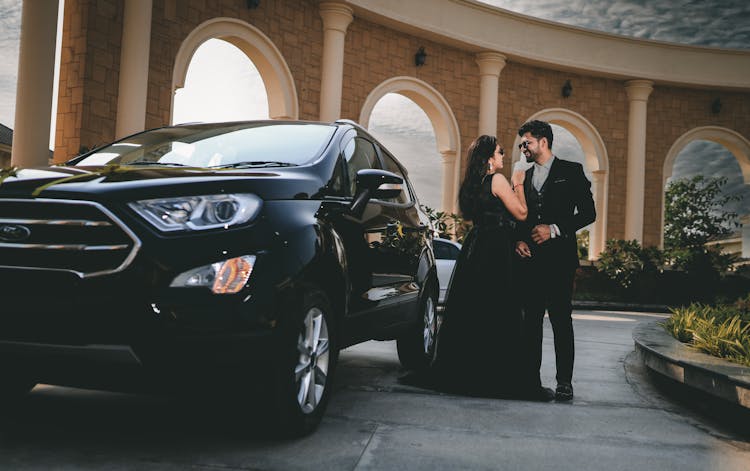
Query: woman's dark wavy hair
479,152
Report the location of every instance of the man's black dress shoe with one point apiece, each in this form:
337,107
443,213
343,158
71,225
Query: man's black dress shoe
540,394
564,392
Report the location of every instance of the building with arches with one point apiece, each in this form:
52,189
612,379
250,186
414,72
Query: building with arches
632,104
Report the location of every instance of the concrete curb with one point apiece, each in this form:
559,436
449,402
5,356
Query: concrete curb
668,356
618,306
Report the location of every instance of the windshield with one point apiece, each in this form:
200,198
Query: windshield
218,145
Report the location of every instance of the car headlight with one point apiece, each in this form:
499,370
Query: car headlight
197,213
227,277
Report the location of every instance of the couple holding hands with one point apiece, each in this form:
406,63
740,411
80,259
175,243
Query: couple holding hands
517,263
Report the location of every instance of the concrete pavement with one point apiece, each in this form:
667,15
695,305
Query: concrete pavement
379,419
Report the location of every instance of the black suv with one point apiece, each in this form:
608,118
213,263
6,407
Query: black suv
243,254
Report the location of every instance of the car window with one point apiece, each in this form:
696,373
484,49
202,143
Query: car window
390,164
338,184
359,154
216,145
444,250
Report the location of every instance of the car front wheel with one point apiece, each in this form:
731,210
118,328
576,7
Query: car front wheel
305,367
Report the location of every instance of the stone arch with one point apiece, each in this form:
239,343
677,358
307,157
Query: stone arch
596,160
443,122
735,142
732,140
273,69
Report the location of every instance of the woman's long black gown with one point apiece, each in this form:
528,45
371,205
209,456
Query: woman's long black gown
478,343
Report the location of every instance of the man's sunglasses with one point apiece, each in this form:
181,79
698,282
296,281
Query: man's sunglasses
523,145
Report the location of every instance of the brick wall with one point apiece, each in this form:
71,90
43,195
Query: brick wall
526,90
671,113
87,97
375,53
295,27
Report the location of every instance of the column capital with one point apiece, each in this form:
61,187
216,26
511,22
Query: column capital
639,90
336,16
490,63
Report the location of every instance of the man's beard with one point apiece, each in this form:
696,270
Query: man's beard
529,157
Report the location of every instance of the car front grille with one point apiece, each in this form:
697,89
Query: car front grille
82,237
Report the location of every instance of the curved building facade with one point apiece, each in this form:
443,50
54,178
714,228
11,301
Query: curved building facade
633,104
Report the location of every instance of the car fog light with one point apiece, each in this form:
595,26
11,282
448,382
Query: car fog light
227,277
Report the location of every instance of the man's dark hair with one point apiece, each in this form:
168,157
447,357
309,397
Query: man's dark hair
538,130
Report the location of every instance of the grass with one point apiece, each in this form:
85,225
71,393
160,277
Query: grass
722,330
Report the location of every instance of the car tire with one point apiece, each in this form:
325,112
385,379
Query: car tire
417,347
304,367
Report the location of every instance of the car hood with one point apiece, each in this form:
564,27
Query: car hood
118,182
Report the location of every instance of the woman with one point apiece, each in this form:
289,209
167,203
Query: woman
477,347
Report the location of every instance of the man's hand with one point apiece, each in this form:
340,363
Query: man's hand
522,249
517,178
541,233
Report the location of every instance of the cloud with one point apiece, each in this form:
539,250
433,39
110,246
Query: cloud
717,23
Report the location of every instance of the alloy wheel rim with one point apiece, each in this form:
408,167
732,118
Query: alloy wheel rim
311,372
429,326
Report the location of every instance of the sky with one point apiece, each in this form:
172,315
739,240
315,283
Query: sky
401,125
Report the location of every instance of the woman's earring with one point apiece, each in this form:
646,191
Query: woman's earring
489,167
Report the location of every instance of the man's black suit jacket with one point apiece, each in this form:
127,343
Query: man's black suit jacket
564,199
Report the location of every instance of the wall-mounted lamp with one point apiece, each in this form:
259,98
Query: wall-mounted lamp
716,106
253,4
420,57
567,89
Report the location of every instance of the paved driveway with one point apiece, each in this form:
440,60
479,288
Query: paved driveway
379,419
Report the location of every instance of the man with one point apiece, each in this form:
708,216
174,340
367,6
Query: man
559,200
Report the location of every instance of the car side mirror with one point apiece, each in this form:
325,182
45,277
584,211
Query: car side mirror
375,183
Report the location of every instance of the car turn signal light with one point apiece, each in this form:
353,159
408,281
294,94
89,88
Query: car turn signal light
227,277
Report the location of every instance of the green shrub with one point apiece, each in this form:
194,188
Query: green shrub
582,239
681,324
625,260
448,225
722,330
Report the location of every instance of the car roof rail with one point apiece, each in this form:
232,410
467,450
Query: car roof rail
349,121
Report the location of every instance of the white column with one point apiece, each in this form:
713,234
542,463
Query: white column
638,92
596,235
336,18
134,59
490,66
36,77
450,193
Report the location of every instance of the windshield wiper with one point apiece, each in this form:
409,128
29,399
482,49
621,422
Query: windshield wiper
161,164
255,164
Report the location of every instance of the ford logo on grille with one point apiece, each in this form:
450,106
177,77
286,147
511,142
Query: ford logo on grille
14,232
